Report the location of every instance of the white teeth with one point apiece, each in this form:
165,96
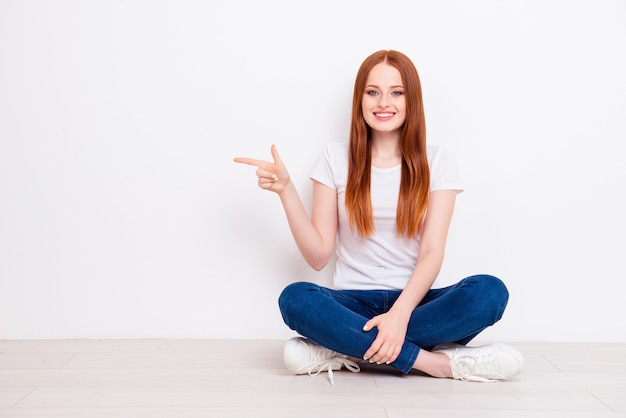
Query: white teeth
384,115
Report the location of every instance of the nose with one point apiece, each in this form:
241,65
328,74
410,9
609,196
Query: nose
382,102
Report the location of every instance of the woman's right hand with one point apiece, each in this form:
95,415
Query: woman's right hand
272,176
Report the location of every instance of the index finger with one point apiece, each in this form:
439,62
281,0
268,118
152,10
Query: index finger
249,161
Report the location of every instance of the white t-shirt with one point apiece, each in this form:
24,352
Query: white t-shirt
383,260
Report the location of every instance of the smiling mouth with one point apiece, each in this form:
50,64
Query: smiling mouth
384,115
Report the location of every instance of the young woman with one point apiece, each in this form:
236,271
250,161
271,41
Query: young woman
384,201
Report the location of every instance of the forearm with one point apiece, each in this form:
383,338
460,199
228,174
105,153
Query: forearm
431,252
307,237
419,284
315,235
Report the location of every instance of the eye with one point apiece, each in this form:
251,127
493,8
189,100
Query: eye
371,92
397,93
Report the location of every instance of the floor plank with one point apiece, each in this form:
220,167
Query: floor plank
244,378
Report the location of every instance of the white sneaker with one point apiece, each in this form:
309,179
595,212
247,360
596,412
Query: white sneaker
304,356
486,363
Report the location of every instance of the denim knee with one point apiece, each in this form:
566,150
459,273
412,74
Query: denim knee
291,298
494,291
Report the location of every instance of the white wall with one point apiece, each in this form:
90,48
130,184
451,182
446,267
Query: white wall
123,215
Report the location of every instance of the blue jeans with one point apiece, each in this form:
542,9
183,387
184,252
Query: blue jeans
335,318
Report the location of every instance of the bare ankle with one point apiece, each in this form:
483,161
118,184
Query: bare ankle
434,364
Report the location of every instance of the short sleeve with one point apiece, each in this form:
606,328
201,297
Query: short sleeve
331,166
444,170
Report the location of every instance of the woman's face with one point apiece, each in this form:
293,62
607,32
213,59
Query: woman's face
383,104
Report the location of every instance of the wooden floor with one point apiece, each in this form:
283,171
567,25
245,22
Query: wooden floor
246,378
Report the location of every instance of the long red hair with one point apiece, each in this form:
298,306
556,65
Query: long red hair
415,178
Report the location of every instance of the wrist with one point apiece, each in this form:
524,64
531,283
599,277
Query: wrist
286,189
401,311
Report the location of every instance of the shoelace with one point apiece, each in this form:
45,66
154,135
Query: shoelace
473,369
316,367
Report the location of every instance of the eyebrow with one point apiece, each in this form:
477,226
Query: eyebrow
378,87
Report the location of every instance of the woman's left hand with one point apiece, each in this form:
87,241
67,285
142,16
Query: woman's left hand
388,343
